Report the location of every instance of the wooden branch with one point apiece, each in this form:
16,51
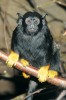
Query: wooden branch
58,81
37,91
61,95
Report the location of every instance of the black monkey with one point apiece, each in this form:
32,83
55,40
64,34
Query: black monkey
33,43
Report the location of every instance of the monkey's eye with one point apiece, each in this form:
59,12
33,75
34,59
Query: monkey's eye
36,21
28,21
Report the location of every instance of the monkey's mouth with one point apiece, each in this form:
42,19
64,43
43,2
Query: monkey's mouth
31,30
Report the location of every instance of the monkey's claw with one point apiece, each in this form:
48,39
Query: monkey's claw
24,62
52,73
12,59
43,73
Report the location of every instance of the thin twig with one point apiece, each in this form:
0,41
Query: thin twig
62,94
37,91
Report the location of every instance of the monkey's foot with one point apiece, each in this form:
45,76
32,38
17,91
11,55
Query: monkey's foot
25,75
12,59
52,73
24,62
43,73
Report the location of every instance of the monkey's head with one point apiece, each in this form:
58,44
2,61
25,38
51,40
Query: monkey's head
32,22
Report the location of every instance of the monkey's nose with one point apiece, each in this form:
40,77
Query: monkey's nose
32,26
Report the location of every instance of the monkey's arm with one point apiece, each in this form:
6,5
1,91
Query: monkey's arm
14,54
51,70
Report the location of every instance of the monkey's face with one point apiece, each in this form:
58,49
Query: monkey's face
32,24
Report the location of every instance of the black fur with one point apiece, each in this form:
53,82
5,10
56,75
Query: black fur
36,47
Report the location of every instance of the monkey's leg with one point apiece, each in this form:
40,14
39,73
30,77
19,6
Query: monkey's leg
25,63
44,73
12,59
31,88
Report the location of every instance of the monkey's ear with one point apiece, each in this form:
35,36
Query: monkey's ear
19,15
44,19
44,16
20,19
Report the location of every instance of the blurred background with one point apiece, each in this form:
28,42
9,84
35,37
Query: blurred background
11,84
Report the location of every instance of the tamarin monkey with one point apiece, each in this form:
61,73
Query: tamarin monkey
32,43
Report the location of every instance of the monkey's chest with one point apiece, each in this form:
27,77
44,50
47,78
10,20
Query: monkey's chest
32,49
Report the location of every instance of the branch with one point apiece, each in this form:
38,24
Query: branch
58,81
37,91
62,94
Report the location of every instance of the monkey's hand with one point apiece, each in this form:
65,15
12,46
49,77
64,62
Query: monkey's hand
52,73
43,73
25,63
12,59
